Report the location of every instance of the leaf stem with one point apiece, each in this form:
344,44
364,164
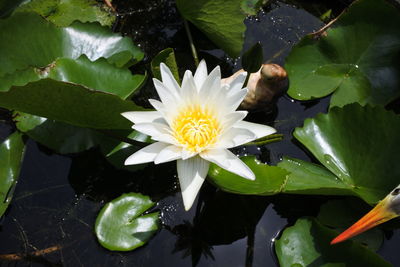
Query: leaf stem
192,47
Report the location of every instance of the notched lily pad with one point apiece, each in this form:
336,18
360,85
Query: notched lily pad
358,60
120,225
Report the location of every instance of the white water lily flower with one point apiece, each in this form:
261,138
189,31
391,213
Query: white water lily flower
195,124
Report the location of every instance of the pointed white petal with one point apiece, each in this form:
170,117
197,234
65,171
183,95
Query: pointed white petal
152,129
189,91
233,101
237,83
146,154
160,107
141,116
234,117
168,98
191,173
201,74
235,137
258,129
227,160
212,83
169,153
168,79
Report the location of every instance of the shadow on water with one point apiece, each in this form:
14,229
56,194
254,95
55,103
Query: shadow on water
58,197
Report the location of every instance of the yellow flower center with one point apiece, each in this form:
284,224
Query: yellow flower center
195,128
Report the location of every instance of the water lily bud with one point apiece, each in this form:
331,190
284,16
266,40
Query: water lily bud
263,86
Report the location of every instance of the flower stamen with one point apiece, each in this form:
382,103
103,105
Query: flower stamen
196,128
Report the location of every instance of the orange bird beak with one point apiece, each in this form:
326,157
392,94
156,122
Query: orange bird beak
380,214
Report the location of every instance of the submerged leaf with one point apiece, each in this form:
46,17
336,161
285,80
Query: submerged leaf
307,244
358,60
220,20
11,155
120,225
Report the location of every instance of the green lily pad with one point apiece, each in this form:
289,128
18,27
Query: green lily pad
44,42
269,179
120,225
64,12
251,7
11,154
220,20
78,92
307,244
166,56
359,145
358,60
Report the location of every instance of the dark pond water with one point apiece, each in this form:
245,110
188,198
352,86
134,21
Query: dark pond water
58,197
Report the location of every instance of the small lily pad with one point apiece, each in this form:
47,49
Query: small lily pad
121,225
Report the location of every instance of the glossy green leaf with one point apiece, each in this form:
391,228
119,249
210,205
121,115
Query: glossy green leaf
358,60
64,12
269,179
120,225
359,145
78,92
253,58
167,56
220,20
307,244
311,179
44,42
98,75
11,155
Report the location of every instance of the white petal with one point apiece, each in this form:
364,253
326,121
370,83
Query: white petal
169,153
168,98
165,138
233,101
227,160
213,81
187,154
258,129
152,129
160,107
191,173
201,74
234,117
141,116
189,91
235,137
238,82
168,79
146,154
